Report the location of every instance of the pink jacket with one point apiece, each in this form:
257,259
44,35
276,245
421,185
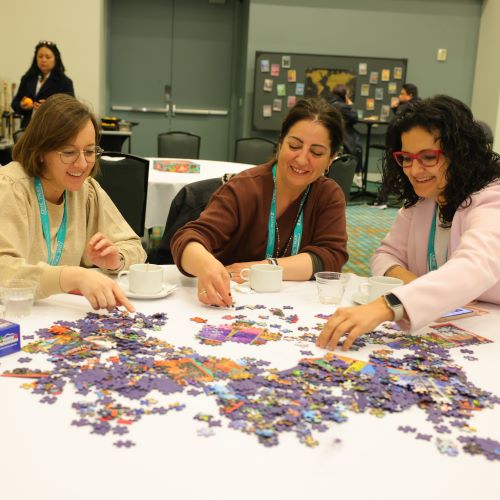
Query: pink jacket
473,267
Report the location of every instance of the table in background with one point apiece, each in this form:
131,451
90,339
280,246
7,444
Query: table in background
44,457
163,186
113,140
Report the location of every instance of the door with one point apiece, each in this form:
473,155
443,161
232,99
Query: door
174,59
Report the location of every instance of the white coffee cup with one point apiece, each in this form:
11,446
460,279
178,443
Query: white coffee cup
146,279
263,277
377,286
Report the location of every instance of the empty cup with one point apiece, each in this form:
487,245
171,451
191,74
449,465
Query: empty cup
330,286
17,296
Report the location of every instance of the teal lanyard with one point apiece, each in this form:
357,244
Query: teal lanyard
271,223
431,254
44,217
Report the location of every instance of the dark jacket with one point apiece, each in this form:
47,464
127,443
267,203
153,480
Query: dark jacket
55,84
351,140
403,106
187,206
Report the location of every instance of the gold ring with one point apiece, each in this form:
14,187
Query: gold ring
203,292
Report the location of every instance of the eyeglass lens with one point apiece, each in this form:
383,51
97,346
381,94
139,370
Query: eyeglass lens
72,155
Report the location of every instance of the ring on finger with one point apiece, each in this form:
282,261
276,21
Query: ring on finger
203,292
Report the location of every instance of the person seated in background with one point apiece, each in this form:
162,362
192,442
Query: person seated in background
445,241
284,212
407,97
352,138
57,221
44,78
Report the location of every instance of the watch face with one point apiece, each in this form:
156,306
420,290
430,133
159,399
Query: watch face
392,300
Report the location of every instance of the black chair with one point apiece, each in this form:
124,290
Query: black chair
342,172
17,134
487,131
254,150
187,205
179,145
115,143
125,178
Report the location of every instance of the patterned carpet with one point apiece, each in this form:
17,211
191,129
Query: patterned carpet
366,227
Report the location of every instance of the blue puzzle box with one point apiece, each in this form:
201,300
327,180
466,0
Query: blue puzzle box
10,338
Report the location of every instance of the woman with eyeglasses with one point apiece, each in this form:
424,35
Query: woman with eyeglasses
44,78
57,222
445,241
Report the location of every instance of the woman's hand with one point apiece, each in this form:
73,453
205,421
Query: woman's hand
103,253
37,104
353,321
235,269
213,279
26,103
214,286
100,290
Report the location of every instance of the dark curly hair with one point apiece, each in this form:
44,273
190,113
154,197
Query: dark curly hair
59,66
472,164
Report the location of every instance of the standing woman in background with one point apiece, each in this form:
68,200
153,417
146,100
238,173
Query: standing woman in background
44,78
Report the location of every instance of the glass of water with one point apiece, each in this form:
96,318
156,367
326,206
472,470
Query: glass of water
330,286
17,297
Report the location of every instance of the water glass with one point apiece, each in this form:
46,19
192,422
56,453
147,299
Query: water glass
330,286
17,297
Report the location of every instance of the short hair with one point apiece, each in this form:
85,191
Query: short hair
58,67
340,90
472,164
318,110
411,89
56,122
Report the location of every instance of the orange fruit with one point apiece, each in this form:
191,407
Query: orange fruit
27,101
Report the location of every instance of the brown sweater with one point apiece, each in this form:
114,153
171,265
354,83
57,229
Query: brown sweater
233,227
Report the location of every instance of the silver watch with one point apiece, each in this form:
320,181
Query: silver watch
395,305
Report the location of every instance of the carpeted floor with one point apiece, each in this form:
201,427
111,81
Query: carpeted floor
366,227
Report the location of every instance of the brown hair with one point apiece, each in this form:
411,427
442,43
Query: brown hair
54,124
318,110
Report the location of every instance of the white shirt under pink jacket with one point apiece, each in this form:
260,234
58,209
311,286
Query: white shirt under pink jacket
472,270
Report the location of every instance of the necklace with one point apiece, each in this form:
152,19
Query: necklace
278,246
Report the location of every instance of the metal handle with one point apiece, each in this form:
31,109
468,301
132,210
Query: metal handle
165,110
175,110
205,112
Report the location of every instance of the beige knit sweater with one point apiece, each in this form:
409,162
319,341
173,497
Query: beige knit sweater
23,252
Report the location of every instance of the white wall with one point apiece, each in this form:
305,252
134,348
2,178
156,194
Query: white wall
78,29
485,95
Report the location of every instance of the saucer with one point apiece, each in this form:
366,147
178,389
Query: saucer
167,289
360,298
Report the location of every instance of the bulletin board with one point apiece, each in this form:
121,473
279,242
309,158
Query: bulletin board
281,79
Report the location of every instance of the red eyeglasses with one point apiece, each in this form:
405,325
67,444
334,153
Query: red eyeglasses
426,158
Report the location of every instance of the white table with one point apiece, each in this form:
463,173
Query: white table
163,186
43,457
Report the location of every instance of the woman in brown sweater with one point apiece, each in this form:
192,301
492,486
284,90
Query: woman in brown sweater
285,212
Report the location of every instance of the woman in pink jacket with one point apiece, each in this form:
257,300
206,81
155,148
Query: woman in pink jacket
445,241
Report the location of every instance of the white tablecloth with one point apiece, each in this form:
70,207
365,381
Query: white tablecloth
43,457
163,186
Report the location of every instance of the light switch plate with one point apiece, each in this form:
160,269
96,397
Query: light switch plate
442,54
